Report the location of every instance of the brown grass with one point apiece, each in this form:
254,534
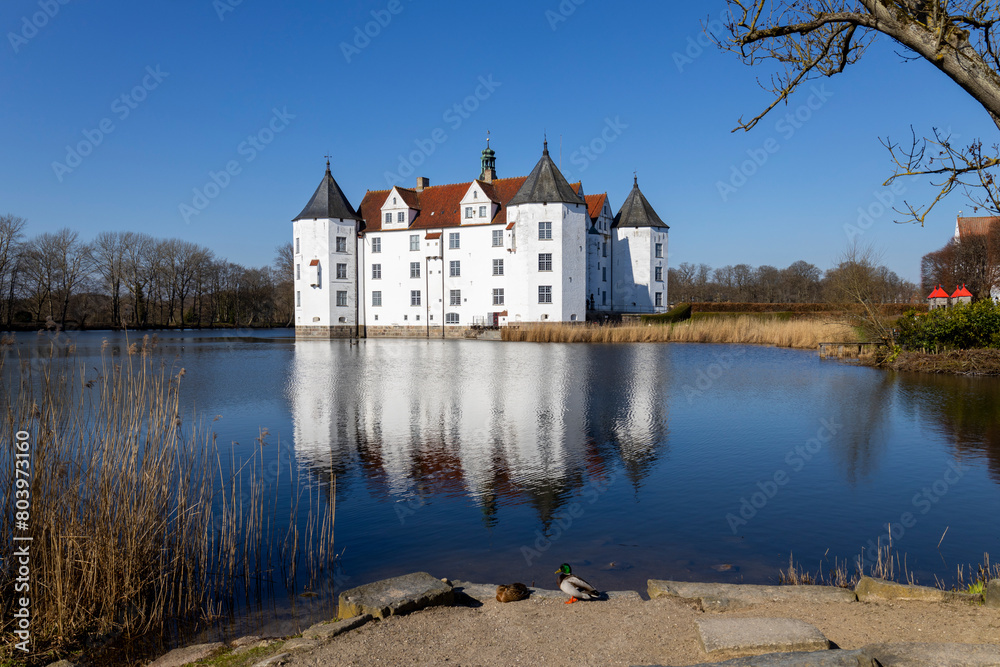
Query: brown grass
803,334
135,523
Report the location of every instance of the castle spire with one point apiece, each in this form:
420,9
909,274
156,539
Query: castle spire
489,172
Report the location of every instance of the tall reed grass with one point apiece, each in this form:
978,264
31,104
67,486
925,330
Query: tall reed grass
136,523
800,333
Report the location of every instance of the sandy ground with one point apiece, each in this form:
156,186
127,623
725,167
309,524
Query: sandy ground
662,631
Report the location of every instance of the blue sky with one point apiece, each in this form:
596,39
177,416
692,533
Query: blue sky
629,80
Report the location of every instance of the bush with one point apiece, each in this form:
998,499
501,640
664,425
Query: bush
961,327
678,313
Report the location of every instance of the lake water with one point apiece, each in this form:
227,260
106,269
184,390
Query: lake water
496,462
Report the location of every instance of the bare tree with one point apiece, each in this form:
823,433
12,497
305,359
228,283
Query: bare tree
811,39
284,274
11,233
109,260
859,280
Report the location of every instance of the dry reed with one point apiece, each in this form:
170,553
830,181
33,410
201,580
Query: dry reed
135,521
800,333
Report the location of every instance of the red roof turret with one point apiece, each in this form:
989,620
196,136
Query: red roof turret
961,291
938,293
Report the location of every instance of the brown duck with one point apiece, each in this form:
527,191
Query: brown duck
512,592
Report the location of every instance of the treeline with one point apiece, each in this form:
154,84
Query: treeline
136,280
974,261
800,282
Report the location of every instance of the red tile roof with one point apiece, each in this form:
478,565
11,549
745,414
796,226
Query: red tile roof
975,226
938,293
595,204
433,235
961,292
314,262
440,205
410,197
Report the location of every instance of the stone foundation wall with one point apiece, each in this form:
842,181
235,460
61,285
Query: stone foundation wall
339,331
372,331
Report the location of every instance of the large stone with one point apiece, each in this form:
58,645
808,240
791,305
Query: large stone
934,655
855,658
737,637
392,597
869,589
991,594
719,597
274,660
331,630
182,656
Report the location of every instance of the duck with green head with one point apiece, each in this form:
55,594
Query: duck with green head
574,586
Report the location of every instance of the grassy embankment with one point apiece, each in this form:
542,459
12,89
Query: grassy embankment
137,527
804,333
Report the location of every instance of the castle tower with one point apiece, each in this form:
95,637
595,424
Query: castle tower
325,248
489,173
639,252
549,221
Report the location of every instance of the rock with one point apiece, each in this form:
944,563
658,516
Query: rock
991,594
247,640
869,589
720,597
182,656
61,663
392,597
273,660
331,630
735,637
304,643
933,655
855,658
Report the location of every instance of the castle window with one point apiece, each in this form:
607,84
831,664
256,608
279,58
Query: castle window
388,218
376,271
468,211
475,194
296,245
414,269
415,297
498,296
545,261
455,268
604,274
455,297
298,299
497,238
401,216
377,299
414,241
659,298
393,201
659,274
659,250
482,211
545,294
451,318
453,241
342,298
341,271
298,272
498,267
376,245
604,249
545,230
341,244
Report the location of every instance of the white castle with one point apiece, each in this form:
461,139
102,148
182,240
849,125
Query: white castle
439,260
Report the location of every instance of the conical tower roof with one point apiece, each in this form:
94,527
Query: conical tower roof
329,201
637,212
546,184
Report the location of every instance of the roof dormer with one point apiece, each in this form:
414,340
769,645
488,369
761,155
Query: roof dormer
479,204
399,209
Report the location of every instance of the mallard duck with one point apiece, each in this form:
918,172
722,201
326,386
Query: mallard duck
574,586
512,592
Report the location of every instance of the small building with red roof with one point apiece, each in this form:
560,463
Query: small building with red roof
938,298
961,295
